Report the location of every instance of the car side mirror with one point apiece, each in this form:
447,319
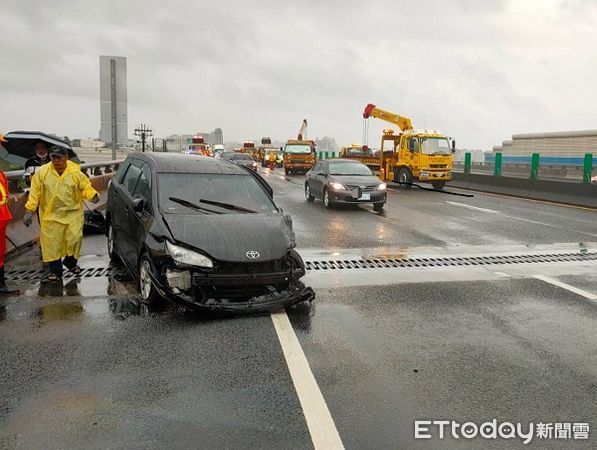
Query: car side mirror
287,219
138,204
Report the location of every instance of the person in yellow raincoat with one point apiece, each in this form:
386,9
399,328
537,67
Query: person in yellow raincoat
272,160
57,192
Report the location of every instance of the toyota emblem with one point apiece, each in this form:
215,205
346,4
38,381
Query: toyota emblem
252,254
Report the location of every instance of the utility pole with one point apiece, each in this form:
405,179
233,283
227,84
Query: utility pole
143,132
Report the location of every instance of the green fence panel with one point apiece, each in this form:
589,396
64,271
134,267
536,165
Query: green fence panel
535,166
497,170
587,168
467,162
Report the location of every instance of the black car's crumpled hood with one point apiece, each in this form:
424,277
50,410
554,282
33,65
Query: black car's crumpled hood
228,237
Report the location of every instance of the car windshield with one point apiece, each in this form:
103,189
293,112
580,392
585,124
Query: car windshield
433,146
298,149
232,189
348,168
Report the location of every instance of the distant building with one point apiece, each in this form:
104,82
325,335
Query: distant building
180,142
113,99
561,143
218,136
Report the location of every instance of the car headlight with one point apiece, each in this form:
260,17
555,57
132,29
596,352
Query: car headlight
337,186
185,256
382,187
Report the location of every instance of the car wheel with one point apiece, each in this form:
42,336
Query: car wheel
326,200
438,184
110,244
308,195
147,290
378,207
405,178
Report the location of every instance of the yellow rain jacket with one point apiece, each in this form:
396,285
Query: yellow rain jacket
60,202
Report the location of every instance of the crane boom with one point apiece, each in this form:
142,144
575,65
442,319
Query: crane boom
301,134
403,123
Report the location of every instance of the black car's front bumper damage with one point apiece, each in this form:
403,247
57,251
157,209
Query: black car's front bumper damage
239,293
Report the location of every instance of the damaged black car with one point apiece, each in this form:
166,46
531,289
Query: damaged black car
203,231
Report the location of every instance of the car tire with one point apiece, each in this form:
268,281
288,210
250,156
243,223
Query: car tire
308,195
439,185
110,243
378,207
405,176
327,202
148,294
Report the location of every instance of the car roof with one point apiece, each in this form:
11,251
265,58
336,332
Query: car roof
183,163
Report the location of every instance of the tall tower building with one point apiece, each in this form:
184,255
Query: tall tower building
218,135
113,100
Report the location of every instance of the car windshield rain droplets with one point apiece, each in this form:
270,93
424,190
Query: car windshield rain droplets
222,193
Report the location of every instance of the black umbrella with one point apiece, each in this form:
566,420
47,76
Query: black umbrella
22,143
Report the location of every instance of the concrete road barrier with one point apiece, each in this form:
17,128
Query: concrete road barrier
566,192
459,180
580,194
518,187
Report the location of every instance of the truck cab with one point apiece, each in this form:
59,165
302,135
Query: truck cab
299,156
416,156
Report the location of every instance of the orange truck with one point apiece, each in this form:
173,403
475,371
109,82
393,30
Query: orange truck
199,147
299,153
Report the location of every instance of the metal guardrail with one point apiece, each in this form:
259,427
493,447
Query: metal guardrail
16,177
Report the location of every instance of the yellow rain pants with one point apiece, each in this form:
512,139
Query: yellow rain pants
58,200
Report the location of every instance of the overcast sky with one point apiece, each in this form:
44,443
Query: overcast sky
478,70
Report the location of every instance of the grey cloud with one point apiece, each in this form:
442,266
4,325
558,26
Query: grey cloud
264,64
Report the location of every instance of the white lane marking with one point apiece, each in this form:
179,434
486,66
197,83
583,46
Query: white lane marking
491,211
578,291
324,434
550,226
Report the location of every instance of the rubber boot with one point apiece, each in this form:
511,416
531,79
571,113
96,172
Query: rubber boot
3,289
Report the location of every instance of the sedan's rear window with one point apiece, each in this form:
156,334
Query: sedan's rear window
238,190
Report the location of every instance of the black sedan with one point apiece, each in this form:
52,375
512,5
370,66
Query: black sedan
203,231
242,159
338,181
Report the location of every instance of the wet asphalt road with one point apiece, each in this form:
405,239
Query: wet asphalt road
88,367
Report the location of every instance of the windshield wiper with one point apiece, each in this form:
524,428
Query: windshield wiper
192,205
226,206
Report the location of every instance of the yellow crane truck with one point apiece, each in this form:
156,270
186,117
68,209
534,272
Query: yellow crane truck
361,153
412,155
